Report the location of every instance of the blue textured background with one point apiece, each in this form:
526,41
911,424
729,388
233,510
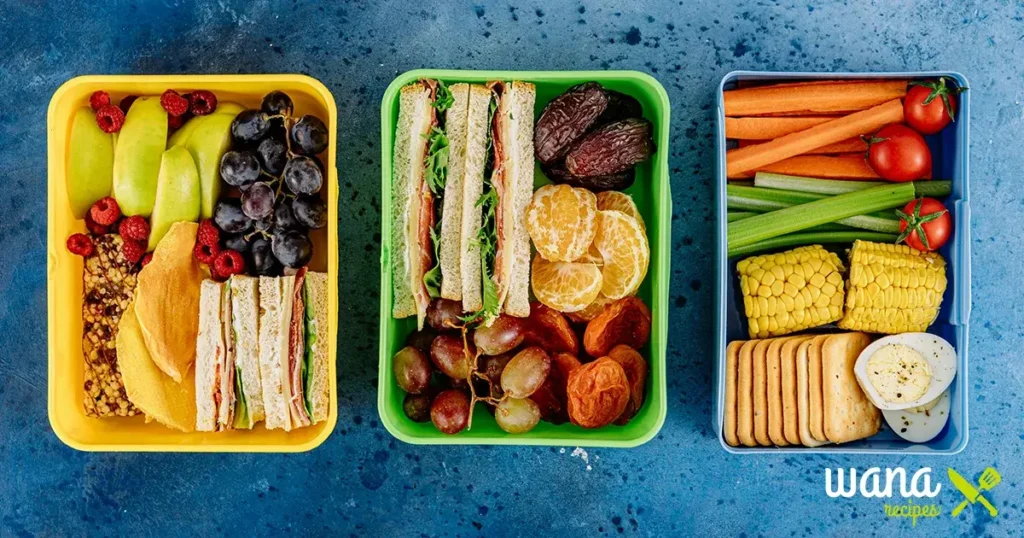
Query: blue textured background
363,481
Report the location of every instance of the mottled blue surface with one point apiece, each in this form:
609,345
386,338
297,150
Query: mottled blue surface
361,480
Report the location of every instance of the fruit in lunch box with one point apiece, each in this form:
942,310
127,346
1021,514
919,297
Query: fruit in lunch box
284,218
443,314
110,119
258,201
135,228
208,234
557,173
228,262
562,364
237,242
492,366
925,224
263,260
228,216
133,251
302,175
625,252
898,153
597,392
277,103
99,99
626,321
90,162
202,102
138,156
566,118
310,211
273,156
620,201
450,411
931,105
208,143
636,373
561,220
412,370
105,211
309,136
548,329
417,407
249,127
422,339
517,415
93,227
79,244
526,372
146,259
565,286
504,334
620,106
174,103
239,168
292,248
227,109
611,148
591,311
177,194
448,353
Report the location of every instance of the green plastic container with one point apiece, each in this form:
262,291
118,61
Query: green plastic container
651,194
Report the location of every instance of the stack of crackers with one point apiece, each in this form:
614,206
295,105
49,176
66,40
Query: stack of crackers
796,390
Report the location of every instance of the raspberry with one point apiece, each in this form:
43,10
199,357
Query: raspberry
135,228
146,259
228,262
203,102
173,103
126,103
110,118
175,122
95,229
206,253
80,244
99,99
133,251
105,211
208,233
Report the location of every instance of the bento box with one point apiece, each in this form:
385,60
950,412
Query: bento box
949,149
653,199
65,271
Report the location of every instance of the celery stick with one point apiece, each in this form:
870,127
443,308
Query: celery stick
934,188
739,215
810,238
832,209
763,200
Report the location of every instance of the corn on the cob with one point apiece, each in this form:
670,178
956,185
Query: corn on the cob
893,288
791,291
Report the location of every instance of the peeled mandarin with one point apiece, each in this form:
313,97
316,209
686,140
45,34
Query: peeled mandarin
620,201
623,246
565,286
561,221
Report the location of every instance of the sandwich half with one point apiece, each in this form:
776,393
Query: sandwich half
316,368
215,360
245,312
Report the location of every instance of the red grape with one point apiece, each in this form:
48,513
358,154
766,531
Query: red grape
516,415
501,337
526,372
417,407
449,356
443,314
450,411
412,370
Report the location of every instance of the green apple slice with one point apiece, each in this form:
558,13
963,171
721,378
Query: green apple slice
177,193
137,157
90,164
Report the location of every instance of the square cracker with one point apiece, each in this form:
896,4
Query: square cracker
732,356
815,418
848,413
803,396
744,395
787,385
760,397
779,354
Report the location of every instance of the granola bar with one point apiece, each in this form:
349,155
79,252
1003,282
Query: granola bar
108,285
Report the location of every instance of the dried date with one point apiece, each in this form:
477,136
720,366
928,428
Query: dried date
611,149
566,118
620,106
621,181
598,393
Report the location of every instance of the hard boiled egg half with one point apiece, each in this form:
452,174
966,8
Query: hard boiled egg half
905,370
920,424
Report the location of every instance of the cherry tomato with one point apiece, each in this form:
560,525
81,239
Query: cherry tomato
925,224
898,153
930,106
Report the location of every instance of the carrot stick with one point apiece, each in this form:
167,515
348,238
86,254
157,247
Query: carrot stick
812,98
769,128
866,121
851,166
850,145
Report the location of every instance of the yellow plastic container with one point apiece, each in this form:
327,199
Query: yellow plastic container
64,271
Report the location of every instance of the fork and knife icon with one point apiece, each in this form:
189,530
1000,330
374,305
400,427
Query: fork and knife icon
989,479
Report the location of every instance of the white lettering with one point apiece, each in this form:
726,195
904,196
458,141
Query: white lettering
875,491
925,490
839,492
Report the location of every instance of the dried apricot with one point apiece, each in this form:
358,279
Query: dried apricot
623,246
636,371
561,221
591,311
565,286
598,393
620,201
549,329
626,321
552,409
562,364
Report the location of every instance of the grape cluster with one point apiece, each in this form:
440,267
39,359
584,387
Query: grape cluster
274,165
447,368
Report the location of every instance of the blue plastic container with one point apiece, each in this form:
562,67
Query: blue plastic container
949,160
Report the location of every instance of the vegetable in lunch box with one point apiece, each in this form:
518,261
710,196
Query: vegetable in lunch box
851,166
759,199
809,237
931,105
898,153
925,224
812,97
936,188
803,216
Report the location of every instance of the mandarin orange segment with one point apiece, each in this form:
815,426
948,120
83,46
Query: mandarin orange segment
623,246
590,311
620,201
565,286
561,221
